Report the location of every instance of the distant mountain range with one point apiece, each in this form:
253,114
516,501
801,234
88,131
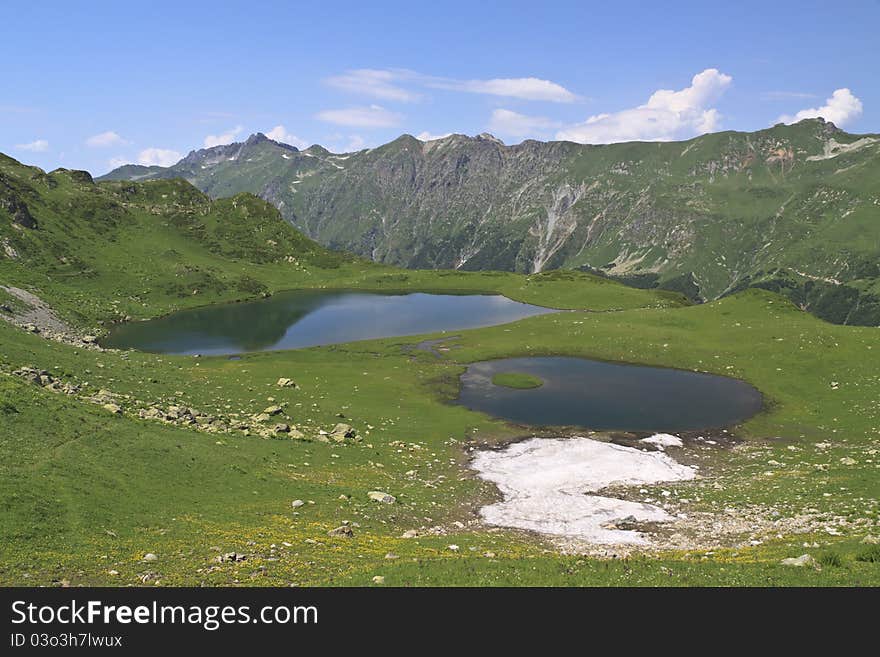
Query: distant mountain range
794,208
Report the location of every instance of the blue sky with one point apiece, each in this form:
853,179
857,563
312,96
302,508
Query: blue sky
108,83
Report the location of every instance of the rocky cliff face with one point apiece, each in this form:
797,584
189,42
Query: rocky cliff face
458,202
721,209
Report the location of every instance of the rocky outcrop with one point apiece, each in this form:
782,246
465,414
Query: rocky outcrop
264,425
35,316
15,207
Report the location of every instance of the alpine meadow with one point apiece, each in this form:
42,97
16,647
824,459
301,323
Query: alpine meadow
562,305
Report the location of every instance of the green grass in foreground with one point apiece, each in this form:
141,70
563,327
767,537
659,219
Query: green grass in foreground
86,493
518,380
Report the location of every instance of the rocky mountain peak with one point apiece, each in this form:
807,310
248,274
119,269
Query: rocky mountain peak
317,149
485,136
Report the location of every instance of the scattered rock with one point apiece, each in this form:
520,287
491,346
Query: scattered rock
343,530
800,562
273,410
281,428
113,408
409,533
380,496
378,579
149,556
342,431
103,396
297,503
285,383
628,523
663,440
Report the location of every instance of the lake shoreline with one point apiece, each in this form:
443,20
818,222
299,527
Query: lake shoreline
597,395
314,317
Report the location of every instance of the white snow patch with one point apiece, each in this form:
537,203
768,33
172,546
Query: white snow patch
662,440
548,487
833,148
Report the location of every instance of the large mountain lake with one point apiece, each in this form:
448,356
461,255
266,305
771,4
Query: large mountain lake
606,396
309,318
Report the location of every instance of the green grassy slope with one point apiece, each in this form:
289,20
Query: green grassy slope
115,249
95,491
85,492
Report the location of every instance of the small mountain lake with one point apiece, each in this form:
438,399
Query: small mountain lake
607,396
309,318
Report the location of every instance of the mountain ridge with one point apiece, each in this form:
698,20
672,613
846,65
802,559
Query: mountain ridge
793,207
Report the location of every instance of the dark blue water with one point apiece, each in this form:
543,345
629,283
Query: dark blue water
609,396
307,318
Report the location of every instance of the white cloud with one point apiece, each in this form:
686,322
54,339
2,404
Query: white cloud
385,84
38,146
158,157
376,83
355,143
105,139
222,139
667,115
842,108
373,116
522,88
427,136
785,95
279,133
507,122
351,144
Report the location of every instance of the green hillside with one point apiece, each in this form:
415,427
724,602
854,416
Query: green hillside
127,249
791,208
107,250
107,456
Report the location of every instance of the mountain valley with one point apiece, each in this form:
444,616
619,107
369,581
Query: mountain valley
793,208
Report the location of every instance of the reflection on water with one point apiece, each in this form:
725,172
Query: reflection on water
306,318
609,396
